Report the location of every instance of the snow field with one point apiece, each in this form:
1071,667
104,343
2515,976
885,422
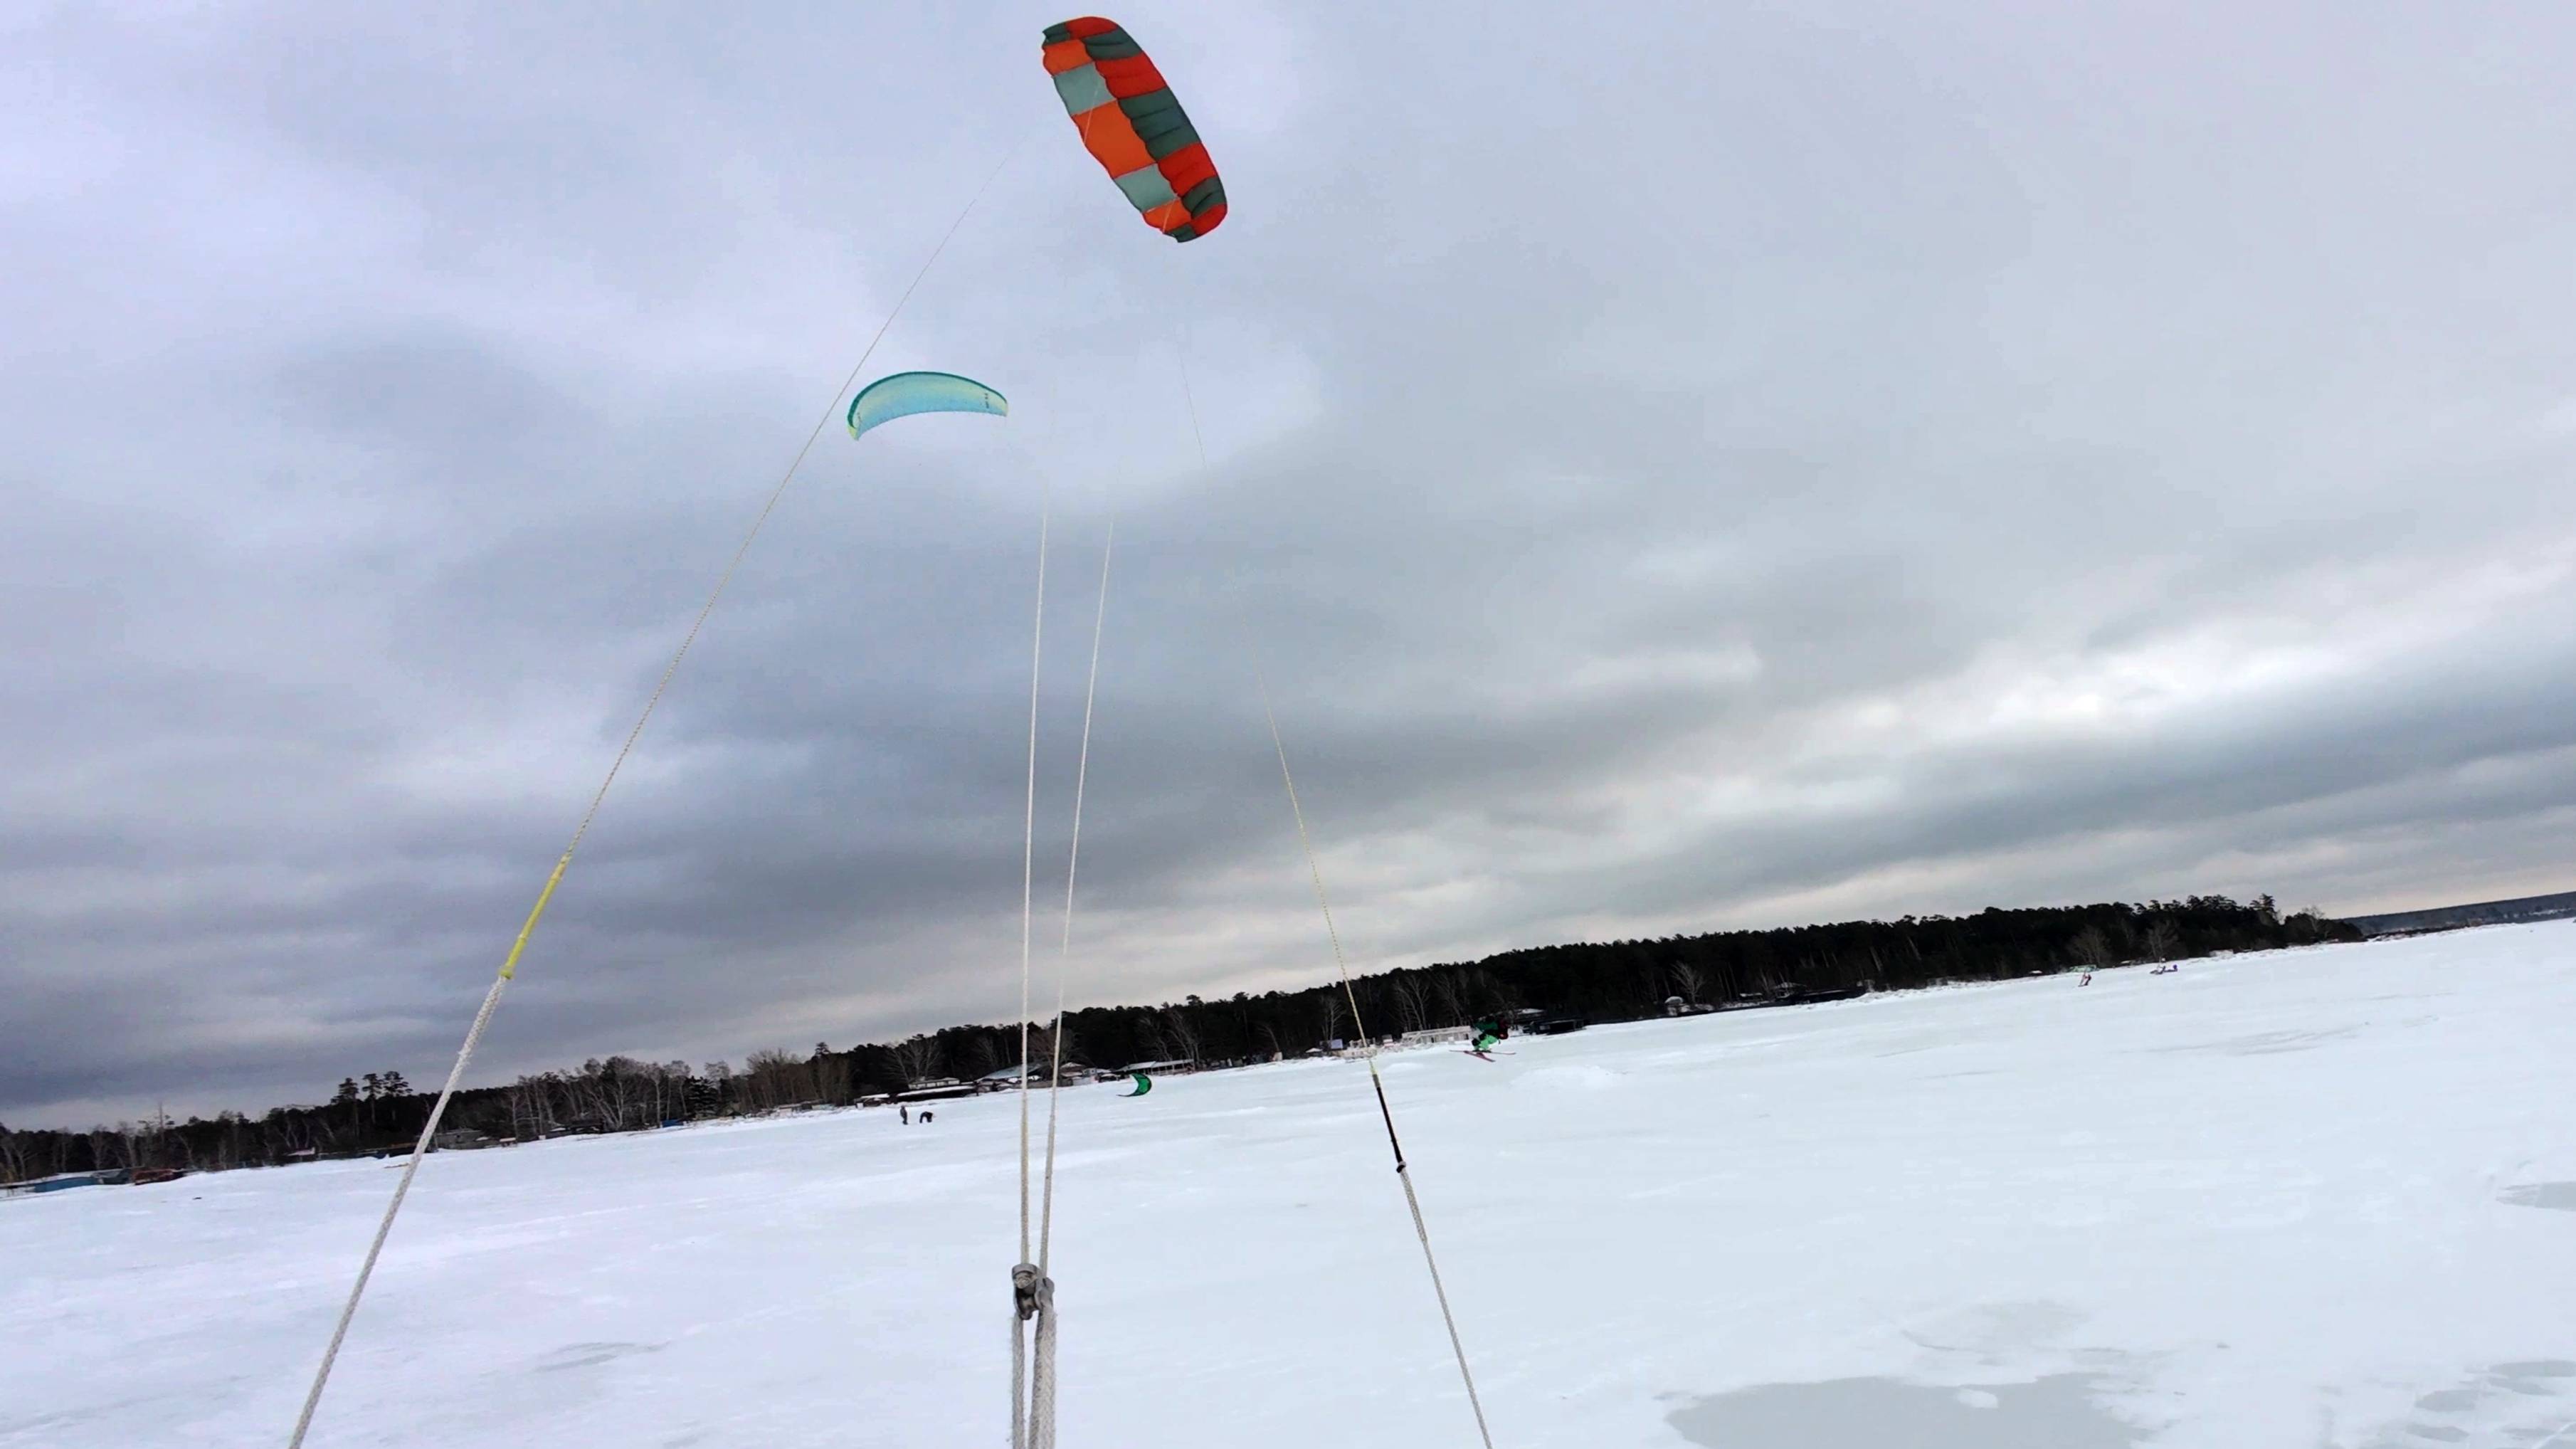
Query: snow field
2302,1197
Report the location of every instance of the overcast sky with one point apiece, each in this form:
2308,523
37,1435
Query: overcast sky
1686,466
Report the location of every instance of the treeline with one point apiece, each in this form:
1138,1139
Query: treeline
1629,980
385,1108
1594,982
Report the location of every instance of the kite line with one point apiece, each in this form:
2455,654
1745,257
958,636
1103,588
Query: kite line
1341,965
554,878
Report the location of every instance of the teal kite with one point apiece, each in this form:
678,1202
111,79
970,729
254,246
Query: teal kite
902,394
1144,1084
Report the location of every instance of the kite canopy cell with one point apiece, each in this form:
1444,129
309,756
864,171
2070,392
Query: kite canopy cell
1134,126
900,395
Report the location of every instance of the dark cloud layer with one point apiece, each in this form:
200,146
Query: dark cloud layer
1677,469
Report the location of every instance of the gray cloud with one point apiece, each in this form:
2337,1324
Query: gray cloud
1674,470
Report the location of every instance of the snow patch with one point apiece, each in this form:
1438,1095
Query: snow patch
1570,1079
2058,1412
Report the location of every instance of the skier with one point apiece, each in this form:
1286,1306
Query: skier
1489,1034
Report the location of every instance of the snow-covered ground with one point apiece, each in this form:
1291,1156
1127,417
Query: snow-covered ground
2308,1198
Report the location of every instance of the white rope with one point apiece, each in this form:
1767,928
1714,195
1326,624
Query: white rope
1032,1386
1019,1364
1422,1232
1033,1383
1341,964
1073,860
1359,1029
1019,1376
510,964
402,1189
1033,1292
1023,1292
1028,867
1042,1379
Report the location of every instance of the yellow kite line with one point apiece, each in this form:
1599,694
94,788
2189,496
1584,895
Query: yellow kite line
554,878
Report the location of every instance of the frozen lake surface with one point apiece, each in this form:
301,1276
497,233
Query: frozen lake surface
2310,1198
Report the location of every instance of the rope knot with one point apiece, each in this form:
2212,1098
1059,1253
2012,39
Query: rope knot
1030,1293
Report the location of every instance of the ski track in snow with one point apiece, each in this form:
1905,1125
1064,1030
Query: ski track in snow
2316,1198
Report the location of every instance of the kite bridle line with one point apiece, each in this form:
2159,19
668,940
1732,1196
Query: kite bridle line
554,878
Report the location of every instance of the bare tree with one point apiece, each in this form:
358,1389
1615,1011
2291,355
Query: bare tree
1412,1000
1332,1013
614,1092
529,1116
918,1058
1184,1033
832,1078
1453,1005
1686,980
149,1143
2094,949
2163,938
229,1147
779,1078
1059,1047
